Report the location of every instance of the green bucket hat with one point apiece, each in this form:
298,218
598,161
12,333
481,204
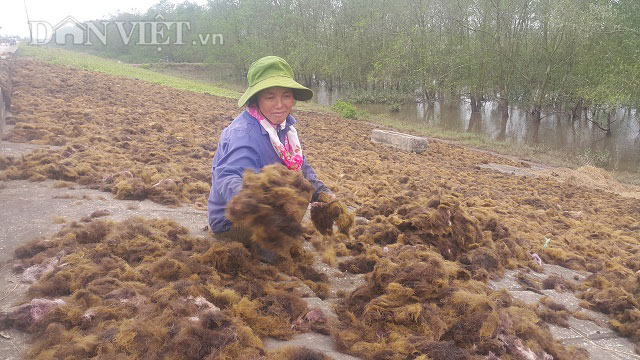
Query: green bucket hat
271,71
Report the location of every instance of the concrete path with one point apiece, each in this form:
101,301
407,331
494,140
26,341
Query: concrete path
595,336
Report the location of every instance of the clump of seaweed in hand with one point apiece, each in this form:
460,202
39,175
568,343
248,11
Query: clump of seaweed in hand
328,212
272,204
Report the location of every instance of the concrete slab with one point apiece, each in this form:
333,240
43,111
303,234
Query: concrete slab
11,293
528,297
314,341
598,353
561,333
398,140
511,170
324,305
588,328
14,346
572,276
30,209
17,150
595,336
620,346
598,317
505,169
564,298
345,282
508,282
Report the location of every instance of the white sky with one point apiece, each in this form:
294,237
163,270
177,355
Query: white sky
13,20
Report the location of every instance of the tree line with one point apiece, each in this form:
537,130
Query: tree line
569,55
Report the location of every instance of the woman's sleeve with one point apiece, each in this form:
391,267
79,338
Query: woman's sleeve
310,175
239,154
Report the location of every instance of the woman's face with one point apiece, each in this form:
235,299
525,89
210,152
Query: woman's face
275,103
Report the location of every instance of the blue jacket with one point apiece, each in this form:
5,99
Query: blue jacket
244,144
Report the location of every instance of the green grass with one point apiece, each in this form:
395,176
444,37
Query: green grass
347,110
207,71
112,67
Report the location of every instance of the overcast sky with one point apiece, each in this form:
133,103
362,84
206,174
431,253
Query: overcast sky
13,20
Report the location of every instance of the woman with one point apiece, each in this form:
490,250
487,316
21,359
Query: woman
261,135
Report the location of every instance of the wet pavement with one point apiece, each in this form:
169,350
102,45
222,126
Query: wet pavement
593,335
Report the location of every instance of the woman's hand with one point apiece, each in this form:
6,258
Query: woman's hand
332,198
329,198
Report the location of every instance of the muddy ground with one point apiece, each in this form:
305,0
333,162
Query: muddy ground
134,148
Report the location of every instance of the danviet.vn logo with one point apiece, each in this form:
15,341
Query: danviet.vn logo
70,31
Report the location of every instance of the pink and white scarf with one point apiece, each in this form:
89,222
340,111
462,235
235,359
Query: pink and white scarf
291,151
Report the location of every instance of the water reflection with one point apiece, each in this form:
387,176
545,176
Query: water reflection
323,95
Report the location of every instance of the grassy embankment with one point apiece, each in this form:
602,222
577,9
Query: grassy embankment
111,67
479,141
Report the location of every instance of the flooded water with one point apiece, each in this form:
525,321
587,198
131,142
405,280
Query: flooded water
620,151
581,138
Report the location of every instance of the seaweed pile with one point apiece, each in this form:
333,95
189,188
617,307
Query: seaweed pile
415,304
148,289
467,223
134,139
426,293
416,200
